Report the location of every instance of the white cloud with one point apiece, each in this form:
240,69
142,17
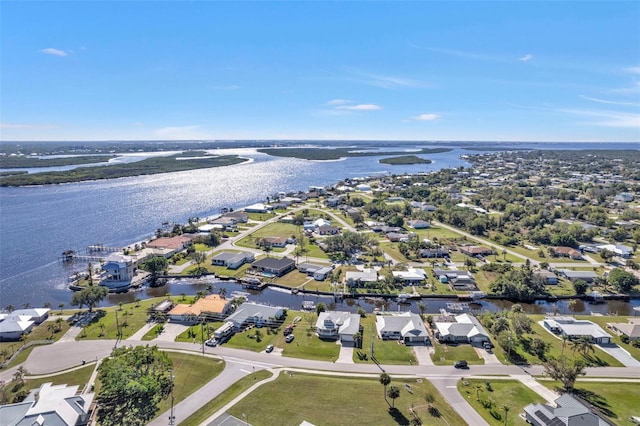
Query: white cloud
26,126
608,118
360,107
526,58
633,70
460,53
391,82
426,117
604,101
182,132
55,52
335,102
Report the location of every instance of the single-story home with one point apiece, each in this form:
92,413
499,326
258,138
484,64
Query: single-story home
630,329
328,230
438,252
546,276
257,208
412,276
322,273
254,313
576,329
37,315
586,276
335,325
395,237
232,260
240,217
418,224
276,241
569,411
50,405
618,249
228,223
12,327
461,328
318,272
566,252
174,244
475,251
360,278
213,305
406,326
274,266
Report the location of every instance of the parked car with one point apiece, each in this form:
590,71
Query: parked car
289,338
269,349
487,345
211,342
461,364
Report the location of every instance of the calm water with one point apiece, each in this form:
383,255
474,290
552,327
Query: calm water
39,223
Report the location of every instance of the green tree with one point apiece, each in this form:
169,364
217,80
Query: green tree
385,379
622,280
564,370
320,307
199,257
580,286
155,266
89,296
134,380
393,393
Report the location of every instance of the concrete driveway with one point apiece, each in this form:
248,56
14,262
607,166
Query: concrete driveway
620,354
489,358
423,354
171,331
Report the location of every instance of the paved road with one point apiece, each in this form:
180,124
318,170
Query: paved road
448,388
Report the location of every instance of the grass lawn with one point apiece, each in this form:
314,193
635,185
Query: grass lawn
48,330
290,400
314,251
224,398
448,354
596,358
247,339
195,332
191,373
293,279
131,318
153,333
306,344
392,250
563,288
437,232
271,230
618,401
385,351
504,392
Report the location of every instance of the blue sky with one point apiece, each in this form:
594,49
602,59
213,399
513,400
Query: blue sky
507,70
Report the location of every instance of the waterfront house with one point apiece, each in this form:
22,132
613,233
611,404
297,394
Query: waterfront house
547,277
256,314
209,306
569,411
228,223
232,260
173,244
271,266
412,276
257,208
587,276
463,328
577,329
406,327
360,278
336,325
318,272
630,329
12,327
117,271
50,404
322,273
37,315
239,216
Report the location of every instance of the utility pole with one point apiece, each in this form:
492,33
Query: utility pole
202,333
117,330
172,418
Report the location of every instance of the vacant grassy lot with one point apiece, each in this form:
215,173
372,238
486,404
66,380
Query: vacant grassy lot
448,354
616,400
271,230
290,400
503,392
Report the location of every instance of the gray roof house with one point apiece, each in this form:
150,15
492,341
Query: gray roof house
576,329
254,313
37,315
274,266
232,260
406,326
57,405
569,412
338,325
586,276
630,329
461,328
12,327
360,278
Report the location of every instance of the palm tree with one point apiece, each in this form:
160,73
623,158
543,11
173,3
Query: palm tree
10,308
477,388
506,409
423,308
61,306
18,375
385,379
393,393
222,292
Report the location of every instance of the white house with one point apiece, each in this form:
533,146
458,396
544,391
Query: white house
338,325
50,405
360,278
12,327
254,313
37,315
118,271
406,326
412,276
461,328
232,260
576,329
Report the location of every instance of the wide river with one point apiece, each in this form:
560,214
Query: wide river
39,223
